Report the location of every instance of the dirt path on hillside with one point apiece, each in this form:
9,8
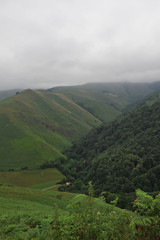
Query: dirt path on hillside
50,187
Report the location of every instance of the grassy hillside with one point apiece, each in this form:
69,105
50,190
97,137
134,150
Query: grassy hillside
35,128
28,214
96,102
107,100
27,178
31,214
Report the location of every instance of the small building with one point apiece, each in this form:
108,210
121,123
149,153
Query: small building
68,183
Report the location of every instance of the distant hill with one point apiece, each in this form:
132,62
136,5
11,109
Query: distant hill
121,156
37,126
8,93
106,101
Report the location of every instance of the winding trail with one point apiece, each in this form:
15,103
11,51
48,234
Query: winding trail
44,189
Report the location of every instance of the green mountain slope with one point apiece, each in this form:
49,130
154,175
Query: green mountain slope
106,101
122,156
36,126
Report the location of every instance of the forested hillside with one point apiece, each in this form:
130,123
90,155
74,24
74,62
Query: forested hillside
122,156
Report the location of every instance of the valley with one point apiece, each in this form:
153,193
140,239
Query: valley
38,125
104,140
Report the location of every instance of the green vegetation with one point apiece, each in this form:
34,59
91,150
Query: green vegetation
28,214
122,156
37,126
31,214
106,100
119,157
36,178
35,129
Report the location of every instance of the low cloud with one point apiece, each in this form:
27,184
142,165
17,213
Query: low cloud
49,43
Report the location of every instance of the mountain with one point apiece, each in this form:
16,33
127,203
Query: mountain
106,101
121,156
8,93
37,126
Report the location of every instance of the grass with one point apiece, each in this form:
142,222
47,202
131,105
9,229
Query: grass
28,214
45,185
20,147
32,214
104,106
40,178
37,126
49,198
25,200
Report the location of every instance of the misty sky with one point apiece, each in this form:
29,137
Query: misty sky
46,43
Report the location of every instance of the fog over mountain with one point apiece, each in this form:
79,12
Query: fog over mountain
48,43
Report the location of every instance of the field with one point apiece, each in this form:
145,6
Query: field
27,178
34,214
28,213
23,207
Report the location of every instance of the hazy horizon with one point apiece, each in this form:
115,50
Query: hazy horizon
79,85
51,43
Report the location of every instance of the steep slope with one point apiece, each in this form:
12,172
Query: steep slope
35,128
106,101
122,156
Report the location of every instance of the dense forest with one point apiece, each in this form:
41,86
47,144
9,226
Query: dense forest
119,157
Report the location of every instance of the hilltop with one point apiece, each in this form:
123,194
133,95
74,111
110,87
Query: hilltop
8,93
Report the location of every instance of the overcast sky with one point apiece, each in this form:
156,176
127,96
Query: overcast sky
46,43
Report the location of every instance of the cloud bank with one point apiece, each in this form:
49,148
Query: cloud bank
45,43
